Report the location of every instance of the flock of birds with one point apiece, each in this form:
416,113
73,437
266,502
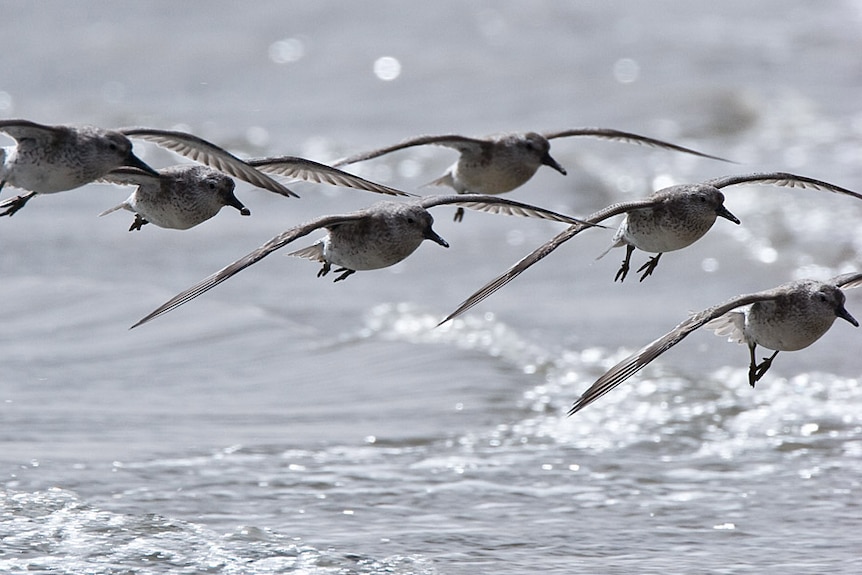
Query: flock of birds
49,159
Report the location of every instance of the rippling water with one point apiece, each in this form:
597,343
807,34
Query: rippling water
285,424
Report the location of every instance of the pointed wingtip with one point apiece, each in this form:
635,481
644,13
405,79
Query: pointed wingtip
576,407
142,321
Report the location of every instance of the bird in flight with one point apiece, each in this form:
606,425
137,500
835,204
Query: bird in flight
789,317
373,238
669,219
499,164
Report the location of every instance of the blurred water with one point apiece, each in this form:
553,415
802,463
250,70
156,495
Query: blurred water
285,424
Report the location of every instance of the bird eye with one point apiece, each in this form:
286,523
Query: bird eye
212,185
410,220
822,297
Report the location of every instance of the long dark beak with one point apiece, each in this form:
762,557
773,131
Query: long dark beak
725,213
549,161
234,202
136,162
844,314
432,235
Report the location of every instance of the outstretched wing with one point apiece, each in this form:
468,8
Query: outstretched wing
19,129
543,251
310,171
631,138
128,177
847,281
209,154
230,270
460,143
638,360
498,205
781,179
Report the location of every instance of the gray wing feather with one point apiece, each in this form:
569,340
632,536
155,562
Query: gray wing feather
638,360
543,251
209,154
232,269
127,177
847,281
310,171
451,141
498,205
781,179
631,138
18,129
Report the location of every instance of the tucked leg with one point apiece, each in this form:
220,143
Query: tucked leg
346,273
459,214
12,205
649,266
624,269
139,221
324,270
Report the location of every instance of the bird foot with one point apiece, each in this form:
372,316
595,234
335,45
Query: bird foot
755,372
622,272
324,270
459,215
139,221
346,273
12,205
648,267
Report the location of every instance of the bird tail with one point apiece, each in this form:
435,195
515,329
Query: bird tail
731,324
313,252
123,206
444,180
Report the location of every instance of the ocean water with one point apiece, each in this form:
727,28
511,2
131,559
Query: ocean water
283,423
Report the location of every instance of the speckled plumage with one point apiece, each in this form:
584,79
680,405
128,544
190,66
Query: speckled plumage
373,238
257,171
789,317
51,159
180,197
499,164
670,219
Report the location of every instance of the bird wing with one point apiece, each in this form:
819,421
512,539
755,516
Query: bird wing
230,270
498,205
631,138
544,250
781,179
209,154
847,281
19,129
638,360
460,143
310,171
128,177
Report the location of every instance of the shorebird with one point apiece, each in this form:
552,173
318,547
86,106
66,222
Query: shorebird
669,219
256,171
373,238
179,197
51,159
183,196
789,317
499,164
